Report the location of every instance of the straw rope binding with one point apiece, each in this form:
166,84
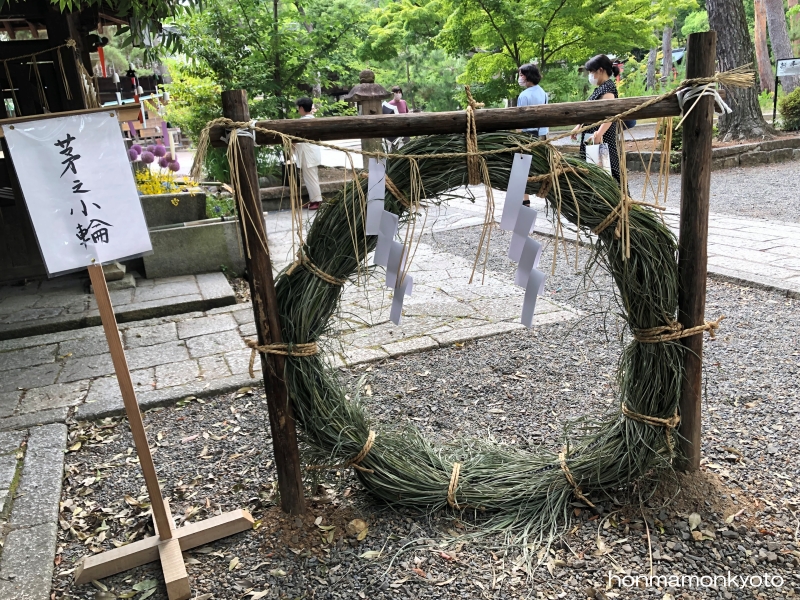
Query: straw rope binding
674,331
303,260
562,459
451,489
668,424
309,349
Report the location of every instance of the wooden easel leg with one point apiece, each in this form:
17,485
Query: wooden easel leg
175,576
147,550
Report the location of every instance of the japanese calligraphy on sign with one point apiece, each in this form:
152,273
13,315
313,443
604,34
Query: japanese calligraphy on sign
788,66
79,189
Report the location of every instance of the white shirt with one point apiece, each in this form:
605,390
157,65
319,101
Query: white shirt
308,155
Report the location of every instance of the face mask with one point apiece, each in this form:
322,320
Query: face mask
522,81
592,79
398,95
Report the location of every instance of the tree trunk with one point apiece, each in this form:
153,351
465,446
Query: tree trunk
734,49
765,74
666,49
650,82
794,30
779,36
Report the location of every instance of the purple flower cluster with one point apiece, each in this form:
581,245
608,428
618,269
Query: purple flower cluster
148,155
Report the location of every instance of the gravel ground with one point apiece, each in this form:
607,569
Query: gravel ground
520,388
762,192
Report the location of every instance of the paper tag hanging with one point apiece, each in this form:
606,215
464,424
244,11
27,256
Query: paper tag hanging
374,214
526,218
400,292
396,263
387,232
528,259
376,186
515,191
534,287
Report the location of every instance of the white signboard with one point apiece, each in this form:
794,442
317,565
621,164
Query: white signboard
77,181
788,66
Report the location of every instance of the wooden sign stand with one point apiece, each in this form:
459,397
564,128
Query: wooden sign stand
169,542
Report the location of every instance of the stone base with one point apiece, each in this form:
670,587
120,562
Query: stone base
114,271
127,282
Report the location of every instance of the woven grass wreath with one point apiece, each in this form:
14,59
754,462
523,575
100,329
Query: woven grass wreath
526,494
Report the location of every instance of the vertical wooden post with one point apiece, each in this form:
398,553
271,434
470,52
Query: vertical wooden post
265,308
106,310
693,240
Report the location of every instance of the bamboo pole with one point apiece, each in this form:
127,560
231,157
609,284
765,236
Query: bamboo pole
265,308
693,241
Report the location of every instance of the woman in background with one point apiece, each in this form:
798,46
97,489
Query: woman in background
601,74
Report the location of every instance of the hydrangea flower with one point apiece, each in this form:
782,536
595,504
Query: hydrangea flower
159,150
137,148
133,155
174,165
163,162
147,157
151,148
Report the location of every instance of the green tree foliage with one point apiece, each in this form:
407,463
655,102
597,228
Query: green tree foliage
695,22
244,47
789,107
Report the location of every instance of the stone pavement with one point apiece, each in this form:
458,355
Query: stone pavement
65,303
31,470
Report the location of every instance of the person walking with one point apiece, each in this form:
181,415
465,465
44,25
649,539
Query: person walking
532,94
397,100
309,157
528,78
601,74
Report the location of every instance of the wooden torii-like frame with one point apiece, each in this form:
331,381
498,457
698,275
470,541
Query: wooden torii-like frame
692,244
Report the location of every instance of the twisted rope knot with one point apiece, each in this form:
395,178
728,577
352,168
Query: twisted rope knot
675,331
70,43
309,349
668,424
473,156
305,261
562,459
451,489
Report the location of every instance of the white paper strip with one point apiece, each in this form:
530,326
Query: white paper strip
77,182
524,225
374,214
397,262
387,232
515,191
533,288
527,261
376,186
400,293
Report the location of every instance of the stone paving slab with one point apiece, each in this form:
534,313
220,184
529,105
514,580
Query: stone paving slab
65,303
30,485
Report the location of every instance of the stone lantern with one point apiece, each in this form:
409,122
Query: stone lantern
368,96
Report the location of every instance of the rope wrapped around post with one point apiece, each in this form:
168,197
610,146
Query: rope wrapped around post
473,157
353,462
674,331
303,260
309,349
669,424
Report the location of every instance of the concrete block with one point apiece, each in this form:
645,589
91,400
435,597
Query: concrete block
781,155
159,354
136,337
417,344
215,289
217,343
167,289
55,415
196,249
170,209
28,357
796,154
472,333
86,367
114,271
126,282
178,373
39,490
205,325
106,389
8,468
53,396
213,367
26,570
29,377
10,441
749,159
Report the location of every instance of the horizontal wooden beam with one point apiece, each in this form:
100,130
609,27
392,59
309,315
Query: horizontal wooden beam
488,119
